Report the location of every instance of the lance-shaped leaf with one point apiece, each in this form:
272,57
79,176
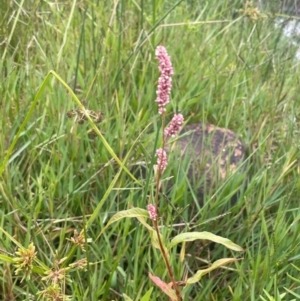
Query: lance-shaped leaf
147,296
153,235
166,288
133,212
214,266
126,298
191,236
6,258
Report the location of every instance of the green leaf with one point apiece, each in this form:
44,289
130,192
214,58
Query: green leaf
191,236
214,266
133,212
126,298
144,223
155,242
293,293
147,296
6,258
293,278
153,235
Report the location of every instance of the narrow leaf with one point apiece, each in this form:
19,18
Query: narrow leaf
6,258
133,212
153,235
214,266
182,252
144,223
163,286
126,298
191,236
11,238
154,240
293,293
147,296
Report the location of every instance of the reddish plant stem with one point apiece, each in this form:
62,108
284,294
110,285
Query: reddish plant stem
171,275
159,171
155,222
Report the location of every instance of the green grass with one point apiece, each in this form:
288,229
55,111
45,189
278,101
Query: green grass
231,72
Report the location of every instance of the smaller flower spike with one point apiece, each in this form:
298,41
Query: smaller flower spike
161,162
152,212
165,79
175,126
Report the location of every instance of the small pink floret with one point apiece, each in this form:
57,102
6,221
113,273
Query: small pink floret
175,125
161,162
152,212
165,80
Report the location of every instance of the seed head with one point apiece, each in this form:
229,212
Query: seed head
24,261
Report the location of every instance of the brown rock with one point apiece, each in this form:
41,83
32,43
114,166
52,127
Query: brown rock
210,153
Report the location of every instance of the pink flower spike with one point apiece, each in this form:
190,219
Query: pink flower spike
161,162
165,79
175,126
152,212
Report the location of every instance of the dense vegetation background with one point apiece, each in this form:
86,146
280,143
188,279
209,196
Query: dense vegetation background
233,68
